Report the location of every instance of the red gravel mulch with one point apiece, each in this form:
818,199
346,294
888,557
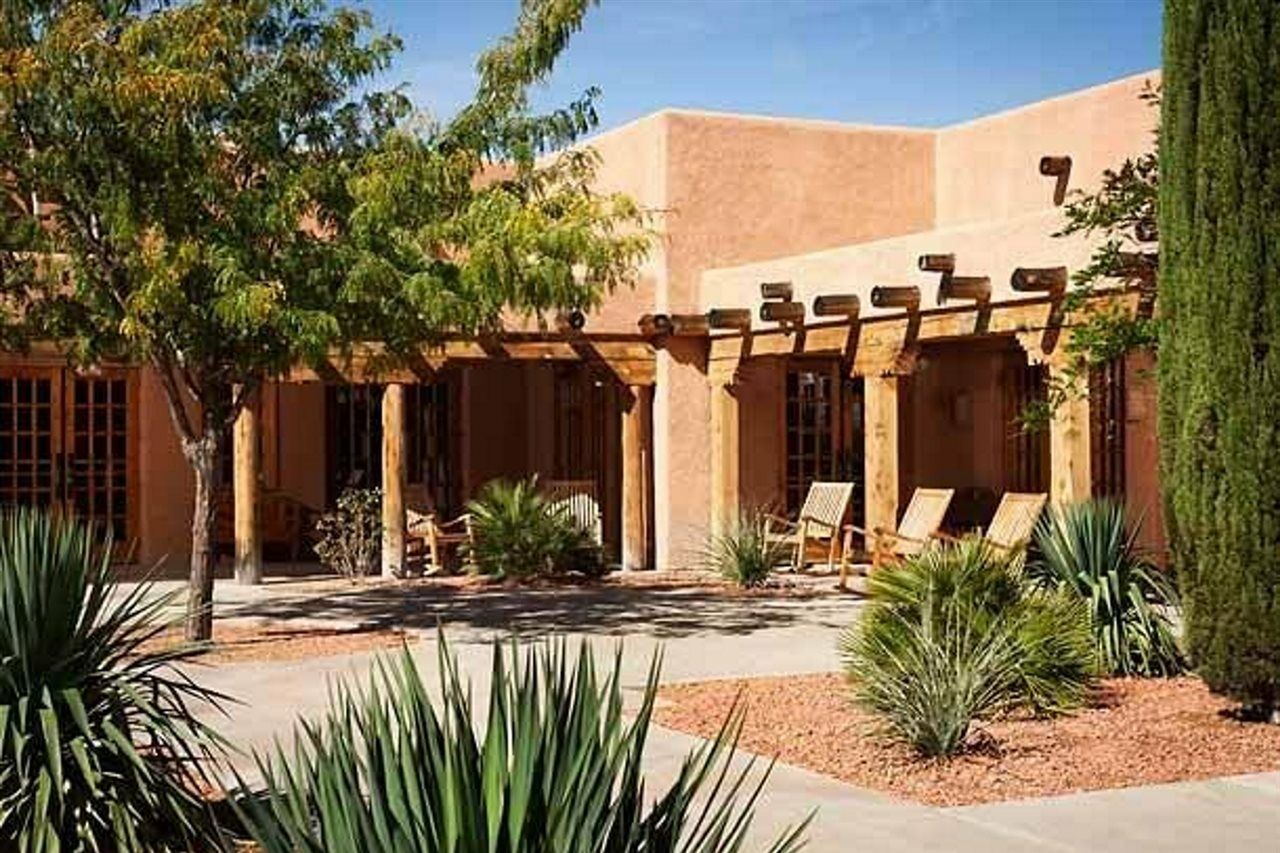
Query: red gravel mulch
1139,732
280,641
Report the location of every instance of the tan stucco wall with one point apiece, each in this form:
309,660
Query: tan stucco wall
166,487
988,168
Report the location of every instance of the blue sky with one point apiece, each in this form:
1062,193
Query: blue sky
905,62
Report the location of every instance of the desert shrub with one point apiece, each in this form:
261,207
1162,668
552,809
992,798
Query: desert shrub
518,532
99,749
1089,551
955,635
556,766
744,553
349,537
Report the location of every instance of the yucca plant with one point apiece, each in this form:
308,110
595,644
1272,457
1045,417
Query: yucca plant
744,553
955,635
1088,550
517,532
99,749
555,767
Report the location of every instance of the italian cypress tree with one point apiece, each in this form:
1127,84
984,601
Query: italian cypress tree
1219,221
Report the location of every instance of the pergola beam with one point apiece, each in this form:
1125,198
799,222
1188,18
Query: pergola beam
885,334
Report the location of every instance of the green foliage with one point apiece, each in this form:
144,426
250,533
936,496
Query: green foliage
955,635
745,554
349,537
99,749
1088,551
518,532
224,196
556,766
1219,370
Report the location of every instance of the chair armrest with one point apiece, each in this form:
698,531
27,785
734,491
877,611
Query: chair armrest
464,519
786,522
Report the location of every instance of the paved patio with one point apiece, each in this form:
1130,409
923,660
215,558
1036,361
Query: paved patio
704,635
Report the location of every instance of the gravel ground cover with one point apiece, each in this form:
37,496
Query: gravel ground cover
1137,732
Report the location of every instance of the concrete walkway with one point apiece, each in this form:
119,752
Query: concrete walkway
702,636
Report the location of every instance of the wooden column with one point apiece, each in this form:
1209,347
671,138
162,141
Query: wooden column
393,478
1070,477
881,451
637,481
724,448
246,480
1069,458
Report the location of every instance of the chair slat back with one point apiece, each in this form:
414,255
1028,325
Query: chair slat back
923,518
1015,519
826,504
578,498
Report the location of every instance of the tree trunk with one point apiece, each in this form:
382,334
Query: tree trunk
202,453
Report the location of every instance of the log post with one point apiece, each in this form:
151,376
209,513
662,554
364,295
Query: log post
881,452
246,479
724,448
1070,477
1070,462
637,481
393,478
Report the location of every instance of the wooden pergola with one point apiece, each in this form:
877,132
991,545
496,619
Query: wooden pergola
630,358
880,349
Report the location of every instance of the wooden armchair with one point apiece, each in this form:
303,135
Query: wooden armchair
817,525
1014,521
918,527
428,539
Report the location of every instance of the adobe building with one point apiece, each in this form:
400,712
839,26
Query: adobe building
691,396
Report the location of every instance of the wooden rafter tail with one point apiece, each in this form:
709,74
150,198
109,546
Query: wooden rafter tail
655,325
689,325
943,263
787,313
779,290
837,305
570,322
890,296
1055,165
1051,280
735,319
974,288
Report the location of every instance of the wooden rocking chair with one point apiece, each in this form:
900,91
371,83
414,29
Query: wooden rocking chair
818,523
917,529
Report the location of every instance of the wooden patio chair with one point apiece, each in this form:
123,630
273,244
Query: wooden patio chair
917,529
818,523
1014,521
428,540
578,499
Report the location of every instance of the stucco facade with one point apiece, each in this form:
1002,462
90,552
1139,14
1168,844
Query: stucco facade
831,208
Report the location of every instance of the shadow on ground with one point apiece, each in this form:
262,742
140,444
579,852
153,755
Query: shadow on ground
660,612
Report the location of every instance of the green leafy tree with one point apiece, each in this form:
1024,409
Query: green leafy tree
1219,368
212,189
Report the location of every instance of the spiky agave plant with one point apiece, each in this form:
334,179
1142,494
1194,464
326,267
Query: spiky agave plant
99,748
745,553
1088,551
555,767
955,635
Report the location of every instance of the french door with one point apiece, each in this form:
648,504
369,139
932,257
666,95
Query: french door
65,441
824,429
